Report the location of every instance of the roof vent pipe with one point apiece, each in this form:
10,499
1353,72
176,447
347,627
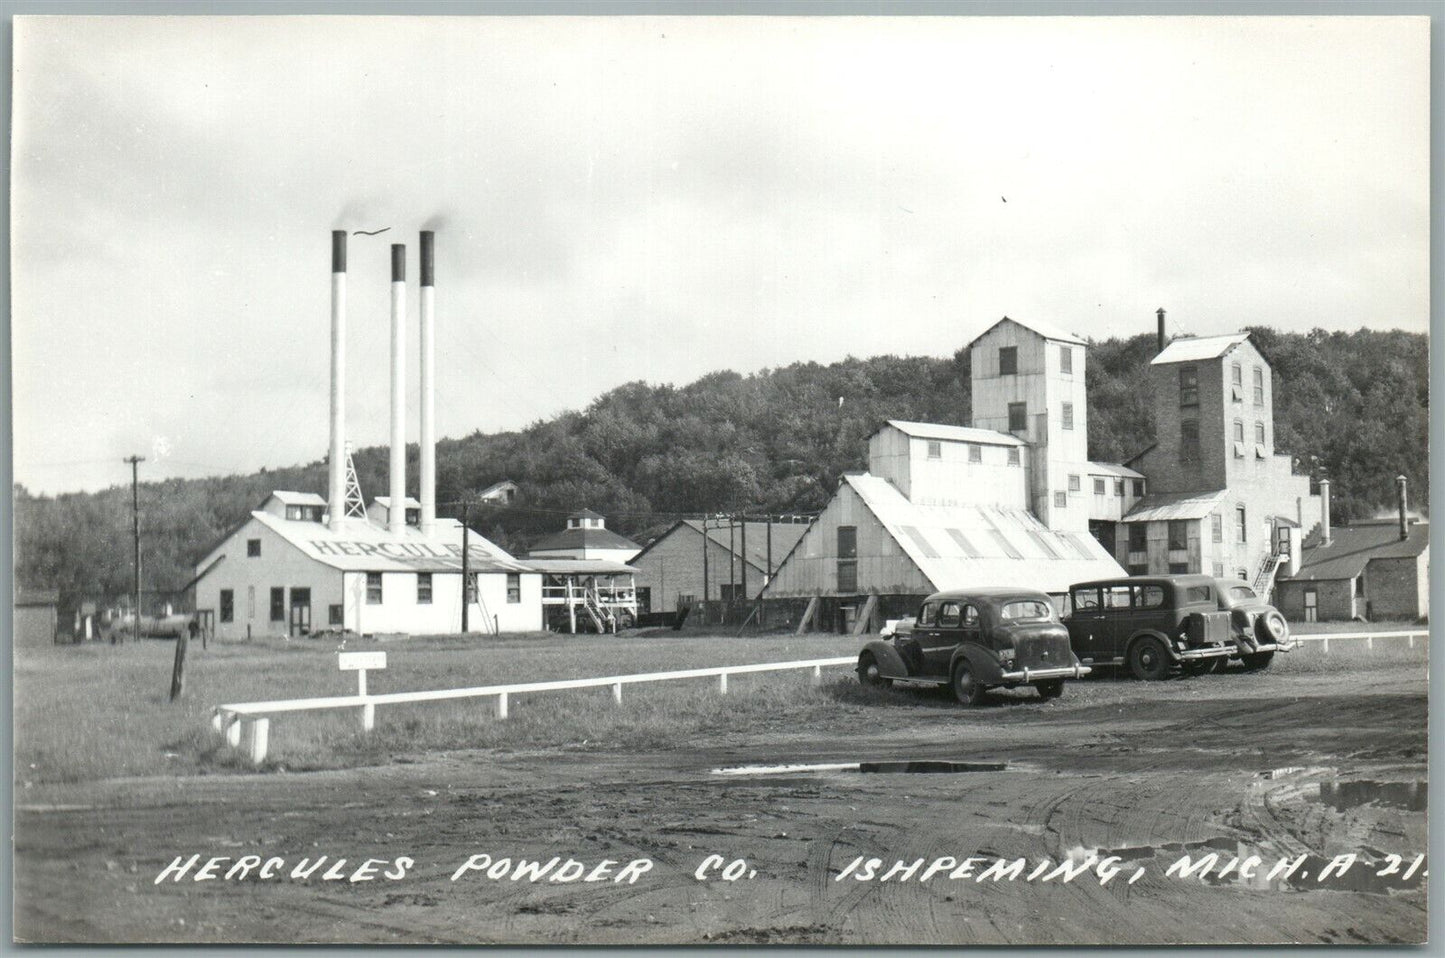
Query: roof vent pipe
1324,512
1162,341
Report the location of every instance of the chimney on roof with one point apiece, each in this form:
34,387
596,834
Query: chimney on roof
1162,341
1324,512
1404,519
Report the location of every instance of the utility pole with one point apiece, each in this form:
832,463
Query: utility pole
743,551
705,583
135,462
466,567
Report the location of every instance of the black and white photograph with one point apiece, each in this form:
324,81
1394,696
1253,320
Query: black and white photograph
720,479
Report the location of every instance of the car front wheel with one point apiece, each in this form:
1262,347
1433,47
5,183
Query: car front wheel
1050,689
965,687
1148,660
868,673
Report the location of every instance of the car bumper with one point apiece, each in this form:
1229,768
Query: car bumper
1252,648
1208,652
1038,675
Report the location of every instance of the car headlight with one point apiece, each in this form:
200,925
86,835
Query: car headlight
1006,656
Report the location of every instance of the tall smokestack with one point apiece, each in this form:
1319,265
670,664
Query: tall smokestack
336,459
396,515
1404,520
1324,512
1162,341
428,479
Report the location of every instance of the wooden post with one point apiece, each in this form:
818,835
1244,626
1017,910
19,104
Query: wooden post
368,710
502,705
705,583
1325,644
809,614
722,683
233,730
466,567
617,693
743,554
178,668
817,675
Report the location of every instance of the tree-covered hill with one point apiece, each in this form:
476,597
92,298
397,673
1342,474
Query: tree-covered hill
1353,404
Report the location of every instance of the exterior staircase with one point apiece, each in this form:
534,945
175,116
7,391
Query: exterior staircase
1264,578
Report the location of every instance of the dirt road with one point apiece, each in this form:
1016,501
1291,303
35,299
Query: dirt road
1300,767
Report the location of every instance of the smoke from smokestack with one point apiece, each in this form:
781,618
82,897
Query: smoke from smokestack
427,481
336,464
396,514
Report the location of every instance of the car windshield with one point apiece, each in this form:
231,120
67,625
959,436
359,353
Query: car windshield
1242,592
1025,609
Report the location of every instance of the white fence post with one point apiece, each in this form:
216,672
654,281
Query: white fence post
501,705
233,731
1325,644
617,693
722,683
1369,641
817,675
258,731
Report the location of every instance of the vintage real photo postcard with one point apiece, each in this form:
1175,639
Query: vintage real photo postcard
721,479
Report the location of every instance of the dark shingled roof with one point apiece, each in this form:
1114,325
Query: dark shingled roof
1352,547
584,539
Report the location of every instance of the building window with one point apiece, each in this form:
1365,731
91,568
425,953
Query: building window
1216,531
1100,487
1219,570
1188,385
253,548
1138,536
1138,488
1008,360
278,604
1236,383
1178,568
1068,415
935,449
1061,500
1178,534
514,588
303,513
1018,416
847,576
1189,441
1119,488
373,588
423,588
975,453
1259,433
228,605
1075,484
336,614
1013,455
1258,386
1066,360
1239,515
1239,439
1243,575
1312,605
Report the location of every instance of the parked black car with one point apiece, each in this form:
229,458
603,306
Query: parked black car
975,639
1260,630
1152,624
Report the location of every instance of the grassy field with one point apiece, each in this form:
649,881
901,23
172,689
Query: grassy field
100,711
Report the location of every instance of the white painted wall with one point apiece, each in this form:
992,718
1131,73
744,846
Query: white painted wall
951,479
399,610
280,564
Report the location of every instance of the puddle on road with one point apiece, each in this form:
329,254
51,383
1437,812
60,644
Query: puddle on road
1232,863
1409,796
924,767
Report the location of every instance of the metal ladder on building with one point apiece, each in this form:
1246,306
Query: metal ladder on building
1264,578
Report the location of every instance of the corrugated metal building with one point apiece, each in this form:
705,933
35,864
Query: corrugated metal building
671,571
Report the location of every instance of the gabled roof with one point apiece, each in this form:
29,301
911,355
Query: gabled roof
1160,507
973,546
583,538
408,502
1046,330
1193,349
496,487
933,430
362,545
586,514
1352,547
298,498
1113,469
785,536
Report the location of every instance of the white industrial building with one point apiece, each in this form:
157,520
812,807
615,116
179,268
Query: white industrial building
285,572
303,563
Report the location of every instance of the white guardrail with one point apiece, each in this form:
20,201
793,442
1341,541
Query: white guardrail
243,724
1325,638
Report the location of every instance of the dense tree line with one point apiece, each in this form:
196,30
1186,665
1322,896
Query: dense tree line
1352,404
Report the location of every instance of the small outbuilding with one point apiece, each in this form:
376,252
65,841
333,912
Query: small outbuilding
713,560
37,617
1366,570
586,537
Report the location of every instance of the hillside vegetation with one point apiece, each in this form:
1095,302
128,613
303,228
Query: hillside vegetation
1354,404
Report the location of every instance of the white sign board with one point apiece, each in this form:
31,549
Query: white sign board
351,661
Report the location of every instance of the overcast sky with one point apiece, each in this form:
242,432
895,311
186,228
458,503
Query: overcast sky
629,198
